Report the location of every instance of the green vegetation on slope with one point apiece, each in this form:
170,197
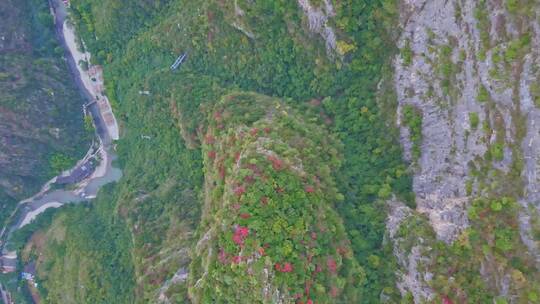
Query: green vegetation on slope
412,118
268,229
491,242
159,196
84,255
41,121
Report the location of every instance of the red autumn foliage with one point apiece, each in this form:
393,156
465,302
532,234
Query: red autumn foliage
209,139
254,131
267,130
309,189
309,301
261,251
240,234
334,291
332,266
238,240
243,231
245,215
240,190
211,154
237,259
307,287
222,256
221,171
277,163
446,300
286,267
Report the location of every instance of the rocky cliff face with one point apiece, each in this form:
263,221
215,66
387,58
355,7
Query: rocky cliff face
469,68
40,108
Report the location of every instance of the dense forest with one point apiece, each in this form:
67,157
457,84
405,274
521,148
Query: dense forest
268,206
37,140
308,151
277,162
168,196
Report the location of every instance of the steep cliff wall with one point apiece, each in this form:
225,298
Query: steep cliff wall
468,105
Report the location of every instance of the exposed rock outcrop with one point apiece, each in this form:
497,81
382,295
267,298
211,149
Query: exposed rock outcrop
409,276
318,23
442,168
469,67
450,68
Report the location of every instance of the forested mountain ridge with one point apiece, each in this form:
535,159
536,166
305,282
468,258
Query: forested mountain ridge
268,167
268,231
271,48
37,141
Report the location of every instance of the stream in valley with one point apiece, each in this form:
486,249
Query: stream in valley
103,174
